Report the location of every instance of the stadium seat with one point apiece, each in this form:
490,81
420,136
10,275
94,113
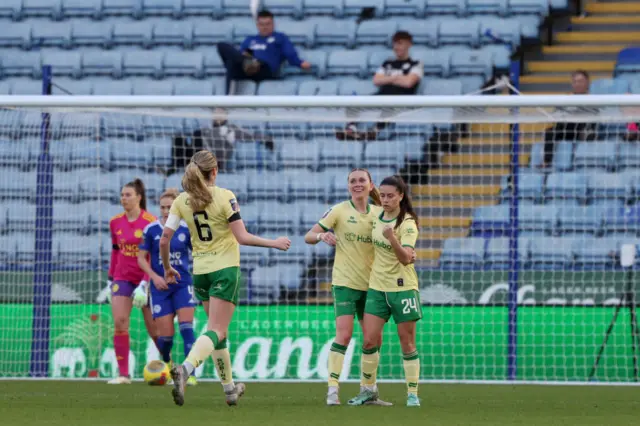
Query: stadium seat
130,155
436,62
5,86
161,125
629,156
445,7
596,253
264,285
424,32
173,33
609,86
318,60
609,186
172,8
627,62
17,185
26,64
332,32
582,219
354,7
376,32
310,213
184,87
211,8
487,7
245,88
68,64
356,87
54,34
442,87
530,186
278,88
98,34
292,8
471,63
14,154
213,64
184,64
82,9
143,63
318,88
414,8
377,58
498,252
132,8
298,156
335,154
463,252
152,88
31,121
347,62
537,220
566,186
622,219
73,252
101,63
51,9
237,183
301,34
78,124
562,157
66,184
460,31
303,189
249,155
333,8
599,155
21,217
500,55
132,34
266,186
68,86
552,253
204,33
383,154
27,87
16,35
538,8
242,29
72,217
90,154
291,276
11,9
277,219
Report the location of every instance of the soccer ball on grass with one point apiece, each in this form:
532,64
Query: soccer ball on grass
156,373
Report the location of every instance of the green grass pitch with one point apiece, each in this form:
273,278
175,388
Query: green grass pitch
97,404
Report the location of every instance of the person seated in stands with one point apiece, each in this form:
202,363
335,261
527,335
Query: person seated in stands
566,131
260,56
400,75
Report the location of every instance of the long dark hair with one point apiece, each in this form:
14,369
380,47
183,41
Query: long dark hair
138,187
406,206
374,194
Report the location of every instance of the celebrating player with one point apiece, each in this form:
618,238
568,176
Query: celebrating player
128,281
213,217
351,222
393,288
167,301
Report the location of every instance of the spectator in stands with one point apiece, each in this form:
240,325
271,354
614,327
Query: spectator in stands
566,131
260,56
400,75
220,139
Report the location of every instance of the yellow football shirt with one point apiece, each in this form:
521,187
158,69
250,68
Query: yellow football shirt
354,252
387,273
214,246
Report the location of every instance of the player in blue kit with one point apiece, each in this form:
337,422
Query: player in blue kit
169,300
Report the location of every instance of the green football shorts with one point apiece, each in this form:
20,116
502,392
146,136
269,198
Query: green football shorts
347,301
223,284
403,306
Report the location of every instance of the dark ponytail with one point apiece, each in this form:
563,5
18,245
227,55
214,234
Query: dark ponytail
138,187
406,206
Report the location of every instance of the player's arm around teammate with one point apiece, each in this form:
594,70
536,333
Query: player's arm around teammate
213,217
393,287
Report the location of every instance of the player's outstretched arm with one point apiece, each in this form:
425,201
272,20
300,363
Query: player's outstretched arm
317,234
247,239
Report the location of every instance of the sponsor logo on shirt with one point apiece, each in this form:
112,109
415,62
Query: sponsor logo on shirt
382,244
258,46
181,237
138,233
352,219
234,205
119,232
353,237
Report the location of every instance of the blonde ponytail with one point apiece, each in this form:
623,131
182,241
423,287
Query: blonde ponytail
194,181
374,194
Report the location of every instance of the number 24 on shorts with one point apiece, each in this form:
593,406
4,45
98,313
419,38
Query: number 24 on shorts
409,305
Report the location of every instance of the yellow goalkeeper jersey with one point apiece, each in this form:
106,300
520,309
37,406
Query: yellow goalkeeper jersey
354,252
387,273
214,246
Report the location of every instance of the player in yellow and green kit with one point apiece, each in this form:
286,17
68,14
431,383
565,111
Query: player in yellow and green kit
212,215
351,222
393,288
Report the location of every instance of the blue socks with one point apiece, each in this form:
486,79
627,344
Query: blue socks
188,336
165,344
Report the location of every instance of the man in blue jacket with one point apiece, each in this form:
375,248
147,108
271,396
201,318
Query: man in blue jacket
260,56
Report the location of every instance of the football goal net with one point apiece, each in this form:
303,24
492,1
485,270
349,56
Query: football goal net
524,203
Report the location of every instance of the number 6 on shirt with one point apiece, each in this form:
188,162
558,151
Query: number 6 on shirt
203,229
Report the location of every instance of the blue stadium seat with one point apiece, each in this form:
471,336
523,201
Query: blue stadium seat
582,219
132,33
116,126
500,55
552,253
538,8
184,87
159,125
54,34
335,154
211,8
242,29
21,217
596,253
301,34
237,183
153,88
20,186
414,8
622,219
424,32
266,186
82,9
350,87
101,63
436,62
566,186
25,64
310,213
68,64
132,8
31,121
297,156
460,31
463,252
471,63
27,87
487,7
92,34
318,88
129,155
354,7
66,185
278,88
442,87
213,64
249,155
103,186
530,185
383,154
16,35
184,64
11,9
445,7
173,33
204,33
498,252
13,154
609,86
376,32
264,284
291,276
537,220
318,60
333,8
629,156
305,187
245,88
72,217
143,63
277,218
562,157
5,86
292,8
378,173
609,186
600,155
51,9
77,124
377,58
75,253
627,62
89,153
172,8
347,62
330,31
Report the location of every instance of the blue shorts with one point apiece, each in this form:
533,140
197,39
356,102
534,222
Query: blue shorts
168,302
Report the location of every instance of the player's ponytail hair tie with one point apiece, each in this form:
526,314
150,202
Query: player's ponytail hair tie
195,179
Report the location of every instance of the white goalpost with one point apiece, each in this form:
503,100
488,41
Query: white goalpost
524,204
